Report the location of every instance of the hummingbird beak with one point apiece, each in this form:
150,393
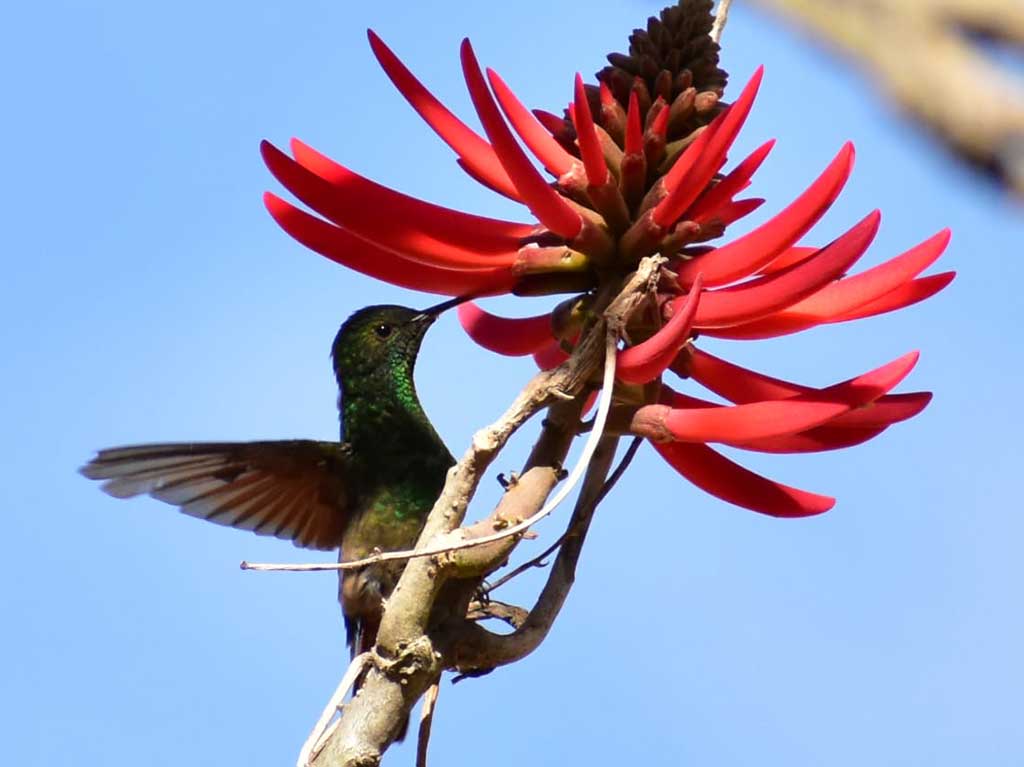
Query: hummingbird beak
433,312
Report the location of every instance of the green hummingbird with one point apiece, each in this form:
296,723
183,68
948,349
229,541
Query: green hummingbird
372,490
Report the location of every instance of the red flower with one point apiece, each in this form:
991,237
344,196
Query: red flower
637,167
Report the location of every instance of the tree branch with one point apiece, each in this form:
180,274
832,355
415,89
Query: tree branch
921,52
482,650
721,19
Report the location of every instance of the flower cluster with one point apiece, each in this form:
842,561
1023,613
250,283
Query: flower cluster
637,167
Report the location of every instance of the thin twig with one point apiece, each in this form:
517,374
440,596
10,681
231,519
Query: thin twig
537,561
560,495
426,719
320,731
616,475
721,19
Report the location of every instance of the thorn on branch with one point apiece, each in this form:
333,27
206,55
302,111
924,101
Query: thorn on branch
426,719
471,674
513,615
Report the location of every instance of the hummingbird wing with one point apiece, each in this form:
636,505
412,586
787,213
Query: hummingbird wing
296,489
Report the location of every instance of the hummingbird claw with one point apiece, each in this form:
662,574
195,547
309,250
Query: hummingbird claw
508,481
563,395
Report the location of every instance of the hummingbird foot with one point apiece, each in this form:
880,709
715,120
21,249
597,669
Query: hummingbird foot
324,725
508,481
482,595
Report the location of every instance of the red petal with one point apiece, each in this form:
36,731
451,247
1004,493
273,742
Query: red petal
908,294
735,210
851,292
690,186
502,335
911,293
606,95
693,420
689,158
551,154
634,143
788,257
659,126
754,250
346,248
729,186
550,356
817,440
713,473
378,224
472,173
353,192
765,295
545,203
554,124
737,384
590,144
648,360
477,156
884,411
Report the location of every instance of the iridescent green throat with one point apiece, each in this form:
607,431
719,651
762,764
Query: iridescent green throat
380,411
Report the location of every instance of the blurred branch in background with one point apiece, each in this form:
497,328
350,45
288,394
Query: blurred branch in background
938,60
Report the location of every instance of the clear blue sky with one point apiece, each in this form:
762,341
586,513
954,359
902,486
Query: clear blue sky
147,296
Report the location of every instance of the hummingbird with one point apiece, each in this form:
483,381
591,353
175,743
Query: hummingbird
372,490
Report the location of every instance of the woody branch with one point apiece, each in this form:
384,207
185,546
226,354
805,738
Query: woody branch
926,53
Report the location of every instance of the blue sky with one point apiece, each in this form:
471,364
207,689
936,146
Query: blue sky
149,297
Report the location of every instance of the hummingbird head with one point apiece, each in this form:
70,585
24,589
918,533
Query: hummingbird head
377,340
374,356
380,343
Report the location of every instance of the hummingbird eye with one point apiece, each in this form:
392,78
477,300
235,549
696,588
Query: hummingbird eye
382,331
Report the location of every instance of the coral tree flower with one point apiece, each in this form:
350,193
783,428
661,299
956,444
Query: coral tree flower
636,166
